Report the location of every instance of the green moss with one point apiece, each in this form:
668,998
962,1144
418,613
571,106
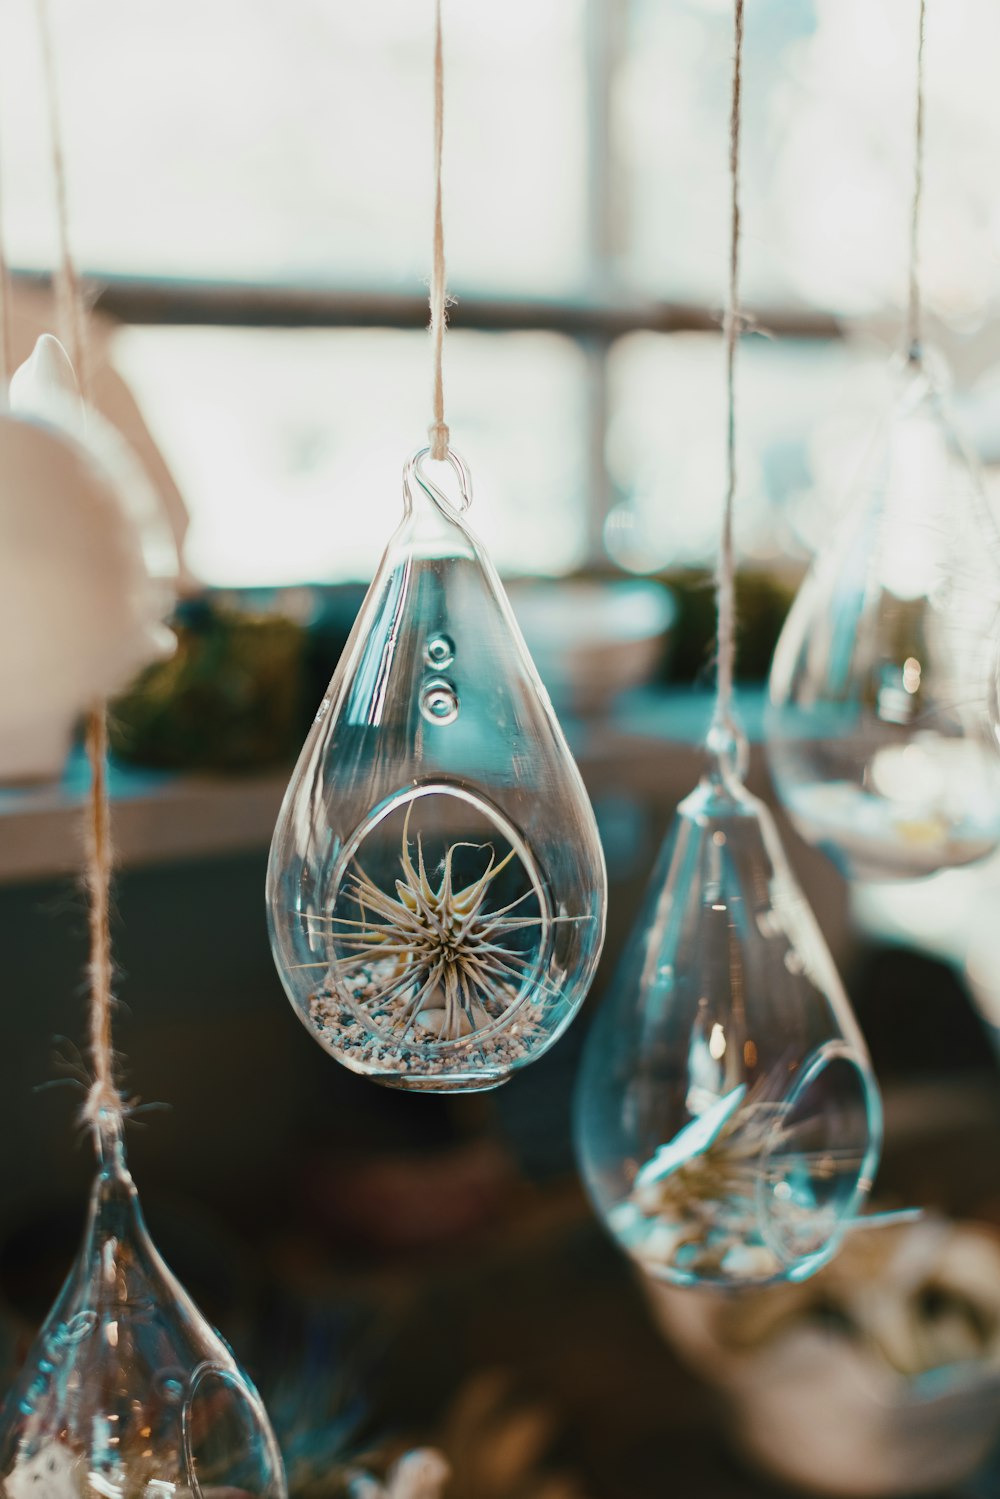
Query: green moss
228,699
762,603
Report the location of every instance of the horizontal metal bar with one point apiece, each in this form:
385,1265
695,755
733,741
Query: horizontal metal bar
227,304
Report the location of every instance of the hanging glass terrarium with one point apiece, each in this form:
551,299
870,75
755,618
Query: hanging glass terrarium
728,1123
436,888
879,694
127,1392
878,724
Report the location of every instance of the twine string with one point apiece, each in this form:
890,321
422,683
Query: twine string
726,572
913,322
103,1109
71,312
6,312
438,430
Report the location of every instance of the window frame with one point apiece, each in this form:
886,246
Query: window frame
595,321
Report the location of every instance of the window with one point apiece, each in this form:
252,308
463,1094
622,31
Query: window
246,140
287,148
805,409
289,446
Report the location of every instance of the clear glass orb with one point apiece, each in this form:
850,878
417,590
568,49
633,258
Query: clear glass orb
728,1123
878,719
436,887
128,1393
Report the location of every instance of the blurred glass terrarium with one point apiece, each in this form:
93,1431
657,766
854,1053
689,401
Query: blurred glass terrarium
127,1392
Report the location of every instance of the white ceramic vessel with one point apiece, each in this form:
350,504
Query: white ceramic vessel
907,1403
83,566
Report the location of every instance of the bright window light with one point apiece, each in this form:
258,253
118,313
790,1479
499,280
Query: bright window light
289,446
805,417
256,140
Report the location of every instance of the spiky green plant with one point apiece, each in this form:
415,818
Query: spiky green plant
704,1186
440,951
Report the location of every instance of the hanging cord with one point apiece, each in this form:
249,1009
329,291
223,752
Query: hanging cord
726,573
72,313
6,314
438,430
103,1109
913,329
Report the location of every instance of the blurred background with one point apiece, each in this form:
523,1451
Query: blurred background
250,203
279,162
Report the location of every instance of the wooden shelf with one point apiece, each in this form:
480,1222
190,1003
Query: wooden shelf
156,819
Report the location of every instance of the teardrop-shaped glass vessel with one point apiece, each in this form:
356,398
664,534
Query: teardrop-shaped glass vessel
436,888
127,1393
728,1122
878,722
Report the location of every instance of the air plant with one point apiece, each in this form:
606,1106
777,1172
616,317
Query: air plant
697,1200
439,956
714,1159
